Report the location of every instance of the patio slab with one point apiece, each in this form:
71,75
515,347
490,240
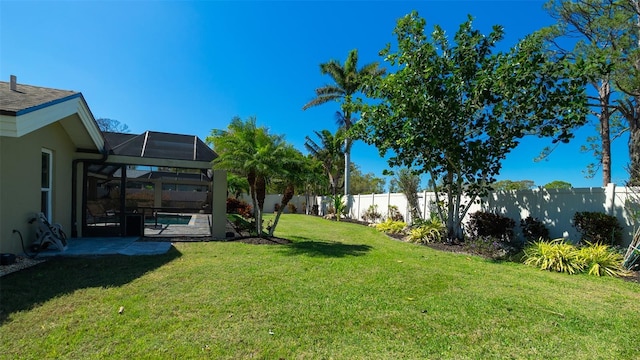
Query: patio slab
108,246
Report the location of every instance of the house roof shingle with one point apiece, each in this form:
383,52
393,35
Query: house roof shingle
27,98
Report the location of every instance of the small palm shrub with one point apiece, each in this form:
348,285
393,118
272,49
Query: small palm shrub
533,229
391,227
338,205
601,259
371,214
428,231
598,228
394,213
555,255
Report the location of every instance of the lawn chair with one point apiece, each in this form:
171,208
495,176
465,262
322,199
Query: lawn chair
47,234
97,214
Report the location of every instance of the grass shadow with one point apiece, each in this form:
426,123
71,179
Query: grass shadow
26,289
314,248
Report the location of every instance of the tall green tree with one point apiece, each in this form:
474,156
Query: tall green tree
455,111
330,152
510,185
627,80
365,183
348,81
597,28
251,151
558,184
236,185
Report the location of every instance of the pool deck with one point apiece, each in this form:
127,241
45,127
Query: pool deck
199,226
100,246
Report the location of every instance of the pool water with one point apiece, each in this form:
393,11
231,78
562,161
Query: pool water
170,219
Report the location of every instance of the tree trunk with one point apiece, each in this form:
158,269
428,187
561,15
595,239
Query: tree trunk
261,189
347,175
634,148
286,197
251,178
604,93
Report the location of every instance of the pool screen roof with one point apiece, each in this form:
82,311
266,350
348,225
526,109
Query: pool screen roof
160,145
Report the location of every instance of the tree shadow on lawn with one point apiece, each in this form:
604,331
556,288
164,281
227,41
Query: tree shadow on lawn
315,248
28,288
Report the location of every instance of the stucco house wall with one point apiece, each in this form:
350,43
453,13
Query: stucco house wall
21,183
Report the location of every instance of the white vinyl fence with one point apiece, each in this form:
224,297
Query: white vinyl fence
555,208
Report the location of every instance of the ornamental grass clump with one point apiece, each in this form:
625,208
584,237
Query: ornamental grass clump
427,231
601,259
555,255
558,255
391,227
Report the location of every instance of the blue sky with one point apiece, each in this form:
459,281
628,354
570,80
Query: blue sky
190,66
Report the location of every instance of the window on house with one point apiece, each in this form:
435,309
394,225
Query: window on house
46,183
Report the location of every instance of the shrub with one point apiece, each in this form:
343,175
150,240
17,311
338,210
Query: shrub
600,259
292,208
236,206
490,247
555,255
598,228
533,229
391,227
394,213
371,214
483,224
429,231
338,207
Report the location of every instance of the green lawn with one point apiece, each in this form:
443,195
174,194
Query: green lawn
340,291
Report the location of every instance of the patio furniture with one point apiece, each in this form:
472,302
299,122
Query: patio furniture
47,234
96,214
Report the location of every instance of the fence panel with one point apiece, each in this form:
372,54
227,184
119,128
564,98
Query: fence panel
554,207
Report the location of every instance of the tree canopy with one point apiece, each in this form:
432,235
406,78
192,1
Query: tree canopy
348,80
510,185
455,110
112,125
251,151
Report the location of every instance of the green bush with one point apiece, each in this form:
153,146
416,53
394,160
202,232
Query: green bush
391,227
598,228
556,255
428,231
601,259
484,224
533,229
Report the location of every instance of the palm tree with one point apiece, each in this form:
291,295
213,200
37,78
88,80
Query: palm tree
291,176
330,152
348,80
250,151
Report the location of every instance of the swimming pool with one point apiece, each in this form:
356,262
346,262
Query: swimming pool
169,219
